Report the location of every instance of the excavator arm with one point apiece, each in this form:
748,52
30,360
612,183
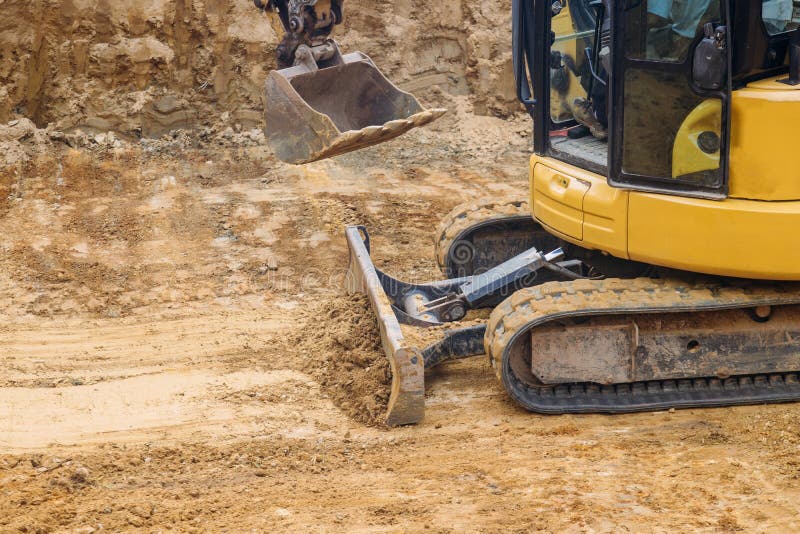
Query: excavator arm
306,22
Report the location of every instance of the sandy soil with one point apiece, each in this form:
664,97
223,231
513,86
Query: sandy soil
176,349
177,353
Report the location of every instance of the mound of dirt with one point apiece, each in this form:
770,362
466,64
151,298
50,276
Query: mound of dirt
343,345
20,140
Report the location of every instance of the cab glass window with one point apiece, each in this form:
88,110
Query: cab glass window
780,15
573,26
670,27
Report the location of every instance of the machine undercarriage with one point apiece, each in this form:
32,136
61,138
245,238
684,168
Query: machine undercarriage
590,333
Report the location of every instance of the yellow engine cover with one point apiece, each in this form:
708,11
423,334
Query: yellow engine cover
764,141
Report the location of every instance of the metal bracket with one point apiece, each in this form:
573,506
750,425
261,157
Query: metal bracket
503,277
311,56
445,301
493,283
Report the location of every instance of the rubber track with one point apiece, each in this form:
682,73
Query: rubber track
465,216
535,306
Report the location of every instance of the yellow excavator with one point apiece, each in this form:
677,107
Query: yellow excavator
654,263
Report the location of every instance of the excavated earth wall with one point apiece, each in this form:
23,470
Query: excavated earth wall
152,66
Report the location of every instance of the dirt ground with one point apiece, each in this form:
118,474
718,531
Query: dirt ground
177,352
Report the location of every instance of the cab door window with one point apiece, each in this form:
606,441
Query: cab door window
672,26
668,133
780,16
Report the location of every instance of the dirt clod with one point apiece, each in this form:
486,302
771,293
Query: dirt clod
80,476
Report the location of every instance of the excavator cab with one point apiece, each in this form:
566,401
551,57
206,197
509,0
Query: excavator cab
657,75
669,73
321,103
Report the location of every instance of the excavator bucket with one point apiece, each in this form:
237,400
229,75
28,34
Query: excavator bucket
315,113
407,397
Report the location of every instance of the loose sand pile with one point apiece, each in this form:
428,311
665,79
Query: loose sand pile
342,345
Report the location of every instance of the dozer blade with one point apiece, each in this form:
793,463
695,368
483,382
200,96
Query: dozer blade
316,114
407,398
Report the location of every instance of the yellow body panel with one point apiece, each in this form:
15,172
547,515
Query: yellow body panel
606,218
764,141
733,237
565,196
560,200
